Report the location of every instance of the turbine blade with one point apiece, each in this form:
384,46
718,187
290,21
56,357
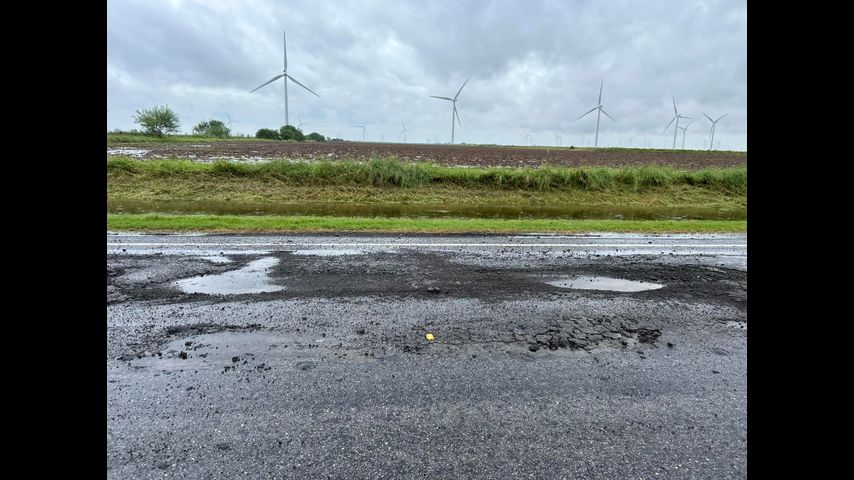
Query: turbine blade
682,116
270,81
600,92
674,106
458,115
301,85
443,98
668,125
592,109
285,44
461,88
606,114
710,118
722,116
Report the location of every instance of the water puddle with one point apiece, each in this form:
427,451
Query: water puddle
132,152
250,279
329,252
605,283
396,210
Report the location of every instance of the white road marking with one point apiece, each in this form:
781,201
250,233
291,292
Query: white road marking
606,245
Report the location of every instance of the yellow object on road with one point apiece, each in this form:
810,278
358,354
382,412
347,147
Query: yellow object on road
430,337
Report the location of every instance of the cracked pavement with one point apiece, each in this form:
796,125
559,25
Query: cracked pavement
331,375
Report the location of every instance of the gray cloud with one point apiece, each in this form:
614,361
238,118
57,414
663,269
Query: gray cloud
534,66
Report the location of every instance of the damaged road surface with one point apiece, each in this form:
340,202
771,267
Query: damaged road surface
599,356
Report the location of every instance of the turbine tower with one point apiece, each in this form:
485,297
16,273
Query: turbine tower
714,124
403,132
599,107
364,132
454,110
287,77
676,117
684,131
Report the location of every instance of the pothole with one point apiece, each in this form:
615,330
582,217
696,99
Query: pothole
576,334
604,283
252,278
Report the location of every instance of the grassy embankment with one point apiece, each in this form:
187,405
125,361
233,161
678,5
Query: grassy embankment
386,180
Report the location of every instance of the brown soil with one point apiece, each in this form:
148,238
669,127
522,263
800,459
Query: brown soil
442,154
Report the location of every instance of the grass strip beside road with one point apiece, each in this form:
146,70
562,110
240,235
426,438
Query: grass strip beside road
390,172
274,223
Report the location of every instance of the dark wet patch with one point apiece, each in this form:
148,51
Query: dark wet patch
305,365
154,341
414,274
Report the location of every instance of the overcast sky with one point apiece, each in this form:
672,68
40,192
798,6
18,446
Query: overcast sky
535,67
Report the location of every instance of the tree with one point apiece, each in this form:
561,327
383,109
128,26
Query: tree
157,121
212,128
316,137
290,132
268,134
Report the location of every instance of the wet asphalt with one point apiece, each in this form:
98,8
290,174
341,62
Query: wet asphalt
329,373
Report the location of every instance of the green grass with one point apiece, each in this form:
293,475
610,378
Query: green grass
389,172
241,223
270,191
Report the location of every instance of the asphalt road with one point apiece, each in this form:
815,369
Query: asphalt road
325,371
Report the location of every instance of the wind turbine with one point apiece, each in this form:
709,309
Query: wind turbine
403,132
299,124
287,77
599,107
684,131
364,132
676,117
714,124
454,110
230,120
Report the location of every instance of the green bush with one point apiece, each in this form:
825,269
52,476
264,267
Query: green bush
212,128
316,137
290,132
267,134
